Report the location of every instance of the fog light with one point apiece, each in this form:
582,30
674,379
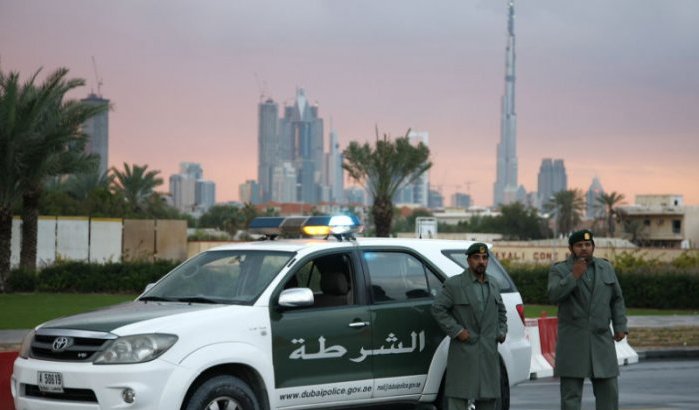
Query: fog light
128,395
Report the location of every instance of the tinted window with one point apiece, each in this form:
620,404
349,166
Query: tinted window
398,276
495,269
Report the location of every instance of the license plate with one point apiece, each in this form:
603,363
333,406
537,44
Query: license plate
50,382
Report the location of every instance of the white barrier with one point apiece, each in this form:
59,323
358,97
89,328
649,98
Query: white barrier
539,367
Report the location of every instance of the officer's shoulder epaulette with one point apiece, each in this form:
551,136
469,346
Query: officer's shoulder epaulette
558,263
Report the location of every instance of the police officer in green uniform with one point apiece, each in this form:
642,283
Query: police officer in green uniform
589,297
470,311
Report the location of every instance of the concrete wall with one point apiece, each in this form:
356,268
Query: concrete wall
139,239
548,255
105,240
73,238
102,240
171,240
46,241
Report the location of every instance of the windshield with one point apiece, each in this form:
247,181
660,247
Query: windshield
235,277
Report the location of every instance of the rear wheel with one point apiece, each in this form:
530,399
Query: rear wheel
223,392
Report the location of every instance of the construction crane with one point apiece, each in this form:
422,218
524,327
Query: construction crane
97,77
261,86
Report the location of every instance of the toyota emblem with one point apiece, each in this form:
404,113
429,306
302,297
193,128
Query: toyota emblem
61,343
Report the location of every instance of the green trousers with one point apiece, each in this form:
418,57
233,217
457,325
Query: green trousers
606,393
461,404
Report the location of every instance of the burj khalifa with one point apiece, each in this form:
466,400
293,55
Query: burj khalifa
505,189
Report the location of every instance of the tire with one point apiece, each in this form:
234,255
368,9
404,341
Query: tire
504,402
223,392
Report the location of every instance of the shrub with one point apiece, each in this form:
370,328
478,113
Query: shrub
21,280
645,284
128,277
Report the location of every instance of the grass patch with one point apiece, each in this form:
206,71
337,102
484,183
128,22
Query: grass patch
26,310
534,311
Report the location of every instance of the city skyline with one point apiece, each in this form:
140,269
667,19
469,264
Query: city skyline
186,80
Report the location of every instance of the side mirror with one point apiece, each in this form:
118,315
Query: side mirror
296,297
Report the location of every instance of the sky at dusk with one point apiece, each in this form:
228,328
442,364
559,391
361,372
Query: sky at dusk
610,87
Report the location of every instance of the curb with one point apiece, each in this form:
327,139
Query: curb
669,353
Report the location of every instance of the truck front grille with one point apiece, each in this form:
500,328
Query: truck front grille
68,344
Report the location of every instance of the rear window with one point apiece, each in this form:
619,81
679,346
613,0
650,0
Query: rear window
495,269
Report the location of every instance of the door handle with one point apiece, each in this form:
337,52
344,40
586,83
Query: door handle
358,324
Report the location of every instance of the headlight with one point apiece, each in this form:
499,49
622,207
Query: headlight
26,345
135,349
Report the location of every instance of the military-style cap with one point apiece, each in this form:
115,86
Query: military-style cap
578,236
478,247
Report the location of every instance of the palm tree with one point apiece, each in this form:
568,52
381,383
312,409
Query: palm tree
137,185
55,146
568,207
383,169
17,117
609,202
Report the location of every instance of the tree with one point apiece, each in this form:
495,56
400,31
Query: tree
383,169
17,117
567,206
55,146
517,222
137,185
228,218
609,202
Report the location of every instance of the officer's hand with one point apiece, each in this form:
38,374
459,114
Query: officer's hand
579,267
619,336
463,336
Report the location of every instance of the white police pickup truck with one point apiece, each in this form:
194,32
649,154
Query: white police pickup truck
275,324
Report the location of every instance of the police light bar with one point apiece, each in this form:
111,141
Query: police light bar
266,225
332,225
340,226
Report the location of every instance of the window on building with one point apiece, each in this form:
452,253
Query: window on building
676,226
646,222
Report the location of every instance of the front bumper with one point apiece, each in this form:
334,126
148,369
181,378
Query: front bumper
89,386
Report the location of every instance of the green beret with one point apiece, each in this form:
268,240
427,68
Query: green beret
478,247
578,236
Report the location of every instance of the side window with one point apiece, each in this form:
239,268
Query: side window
330,277
398,276
495,269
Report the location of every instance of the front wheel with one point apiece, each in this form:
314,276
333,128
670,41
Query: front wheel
223,392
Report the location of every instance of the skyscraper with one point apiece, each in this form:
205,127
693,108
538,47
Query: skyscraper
249,191
189,191
416,192
268,145
334,172
552,179
505,189
302,142
97,130
594,192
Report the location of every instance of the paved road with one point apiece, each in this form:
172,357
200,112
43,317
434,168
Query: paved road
648,385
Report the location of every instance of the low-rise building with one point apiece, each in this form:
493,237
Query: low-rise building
661,221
